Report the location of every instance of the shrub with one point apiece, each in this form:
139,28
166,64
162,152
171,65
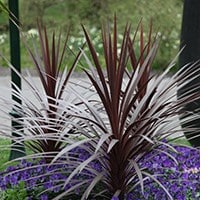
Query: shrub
49,115
130,116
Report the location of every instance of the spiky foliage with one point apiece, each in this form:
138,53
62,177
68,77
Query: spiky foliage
54,82
135,114
44,108
132,115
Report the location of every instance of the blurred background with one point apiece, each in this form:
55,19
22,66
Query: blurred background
166,16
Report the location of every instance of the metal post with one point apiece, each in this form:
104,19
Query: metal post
17,150
190,38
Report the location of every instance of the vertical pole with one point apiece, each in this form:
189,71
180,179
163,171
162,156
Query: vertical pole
17,149
190,38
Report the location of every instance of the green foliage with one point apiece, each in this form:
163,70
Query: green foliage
166,16
3,17
182,141
4,149
17,192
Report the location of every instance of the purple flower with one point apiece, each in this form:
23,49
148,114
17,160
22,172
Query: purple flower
14,180
48,185
180,179
44,197
115,198
57,189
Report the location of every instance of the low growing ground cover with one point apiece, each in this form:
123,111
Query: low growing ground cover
40,181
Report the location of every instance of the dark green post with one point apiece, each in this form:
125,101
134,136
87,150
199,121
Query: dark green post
17,150
190,38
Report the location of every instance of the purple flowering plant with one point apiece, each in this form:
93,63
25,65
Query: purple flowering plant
112,144
181,180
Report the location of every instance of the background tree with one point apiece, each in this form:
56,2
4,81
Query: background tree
31,10
166,16
190,39
3,17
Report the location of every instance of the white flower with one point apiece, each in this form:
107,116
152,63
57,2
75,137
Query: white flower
167,44
2,38
72,39
100,46
93,30
175,46
178,15
164,37
194,170
159,33
70,47
120,36
33,32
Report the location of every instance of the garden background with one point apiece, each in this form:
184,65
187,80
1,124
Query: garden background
166,16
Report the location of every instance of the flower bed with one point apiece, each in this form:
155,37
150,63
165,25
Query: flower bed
41,181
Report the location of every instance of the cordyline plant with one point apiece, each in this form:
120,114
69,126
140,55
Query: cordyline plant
43,111
135,115
132,115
